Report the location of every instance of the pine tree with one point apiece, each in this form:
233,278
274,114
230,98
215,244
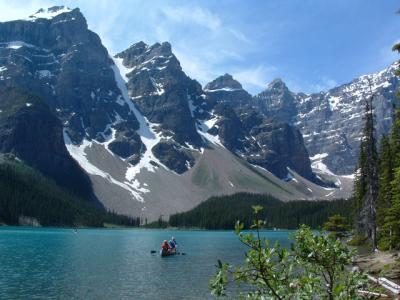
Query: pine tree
367,179
385,196
337,226
359,186
391,221
395,138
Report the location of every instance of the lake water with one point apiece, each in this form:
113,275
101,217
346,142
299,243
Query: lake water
49,263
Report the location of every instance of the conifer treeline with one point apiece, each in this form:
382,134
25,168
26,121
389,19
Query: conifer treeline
223,212
377,184
26,192
388,204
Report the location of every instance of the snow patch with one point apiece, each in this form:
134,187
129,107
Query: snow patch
204,126
122,70
17,45
319,156
351,176
78,153
320,166
330,194
317,164
333,102
225,89
49,13
158,86
147,132
44,73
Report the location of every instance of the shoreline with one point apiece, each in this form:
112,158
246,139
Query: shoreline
113,226
380,263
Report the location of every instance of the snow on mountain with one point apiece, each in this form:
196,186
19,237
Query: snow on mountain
78,152
146,130
264,142
331,122
49,13
151,140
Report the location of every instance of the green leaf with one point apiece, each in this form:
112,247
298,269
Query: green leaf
257,208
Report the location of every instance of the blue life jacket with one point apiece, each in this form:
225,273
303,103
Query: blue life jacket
172,244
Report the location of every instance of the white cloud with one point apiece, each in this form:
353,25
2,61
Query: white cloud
195,68
324,84
13,10
194,15
386,54
256,78
240,36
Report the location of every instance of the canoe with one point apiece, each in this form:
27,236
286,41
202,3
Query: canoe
162,254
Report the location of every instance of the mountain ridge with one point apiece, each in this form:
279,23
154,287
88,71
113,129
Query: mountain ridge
150,138
336,115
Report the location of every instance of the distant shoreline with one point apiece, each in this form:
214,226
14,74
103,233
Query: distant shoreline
134,228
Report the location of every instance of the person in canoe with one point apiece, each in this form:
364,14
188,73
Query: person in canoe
173,245
165,249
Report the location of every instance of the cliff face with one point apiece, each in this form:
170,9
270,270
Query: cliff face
31,132
54,55
264,141
331,122
161,90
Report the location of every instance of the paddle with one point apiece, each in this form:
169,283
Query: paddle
181,253
177,253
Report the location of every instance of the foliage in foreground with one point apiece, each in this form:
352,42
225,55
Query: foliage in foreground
315,268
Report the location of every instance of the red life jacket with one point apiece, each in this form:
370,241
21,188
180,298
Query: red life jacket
165,246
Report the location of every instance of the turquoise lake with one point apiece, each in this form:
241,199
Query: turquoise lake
47,263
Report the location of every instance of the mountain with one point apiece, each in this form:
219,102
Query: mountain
160,90
225,89
265,142
134,133
331,122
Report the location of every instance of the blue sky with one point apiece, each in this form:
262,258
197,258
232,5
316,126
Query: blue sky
312,45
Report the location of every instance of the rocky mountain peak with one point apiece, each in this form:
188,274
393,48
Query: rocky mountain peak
277,84
161,91
277,101
143,56
224,82
137,48
164,48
